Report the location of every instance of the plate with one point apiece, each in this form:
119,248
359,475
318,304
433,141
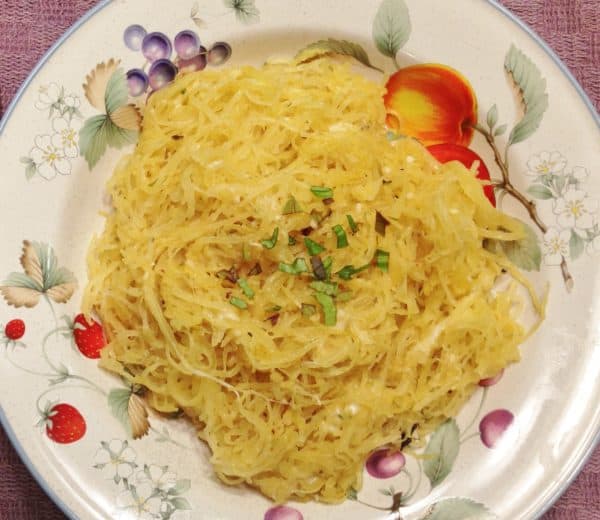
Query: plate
522,437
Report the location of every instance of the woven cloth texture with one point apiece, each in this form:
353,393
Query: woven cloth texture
29,27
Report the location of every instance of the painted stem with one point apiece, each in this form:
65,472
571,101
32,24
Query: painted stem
411,492
371,505
32,372
37,402
45,343
167,438
469,437
528,204
479,408
93,386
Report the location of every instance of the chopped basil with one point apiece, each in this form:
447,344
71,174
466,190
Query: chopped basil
257,269
245,253
382,259
291,240
325,287
318,268
238,302
344,296
381,223
342,239
322,192
308,309
329,311
274,308
348,271
269,243
313,247
228,274
291,206
352,224
246,289
296,267
327,264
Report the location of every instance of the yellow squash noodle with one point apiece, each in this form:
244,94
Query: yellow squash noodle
286,403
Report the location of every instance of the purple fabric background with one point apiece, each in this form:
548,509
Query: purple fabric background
29,27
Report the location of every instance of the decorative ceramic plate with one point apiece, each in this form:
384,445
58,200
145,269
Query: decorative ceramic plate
488,86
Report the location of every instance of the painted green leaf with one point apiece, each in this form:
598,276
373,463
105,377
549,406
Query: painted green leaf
332,46
116,93
539,192
30,170
118,401
42,255
500,130
532,88
22,280
41,276
245,10
441,452
388,492
180,503
391,27
181,486
525,254
458,509
30,167
492,117
560,183
576,245
99,132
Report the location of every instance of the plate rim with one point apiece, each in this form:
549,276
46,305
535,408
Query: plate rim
586,454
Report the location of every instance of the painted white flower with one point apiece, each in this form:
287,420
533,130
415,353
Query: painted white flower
66,135
575,210
556,245
72,101
580,174
140,502
48,158
160,477
49,95
546,163
116,459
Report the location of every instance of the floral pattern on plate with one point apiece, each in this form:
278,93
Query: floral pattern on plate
148,491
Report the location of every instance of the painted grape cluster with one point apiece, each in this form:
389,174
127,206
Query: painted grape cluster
157,49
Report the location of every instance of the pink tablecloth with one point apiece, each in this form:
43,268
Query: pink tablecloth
29,27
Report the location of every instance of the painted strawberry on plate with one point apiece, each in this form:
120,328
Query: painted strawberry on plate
88,336
64,424
14,329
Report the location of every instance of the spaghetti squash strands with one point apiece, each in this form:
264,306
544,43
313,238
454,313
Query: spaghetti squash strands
289,383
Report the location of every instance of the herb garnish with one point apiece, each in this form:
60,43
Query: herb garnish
238,302
291,206
298,266
322,192
246,289
382,259
329,311
342,239
353,225
313,247
269,243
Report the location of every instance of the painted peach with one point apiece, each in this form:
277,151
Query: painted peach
433,103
